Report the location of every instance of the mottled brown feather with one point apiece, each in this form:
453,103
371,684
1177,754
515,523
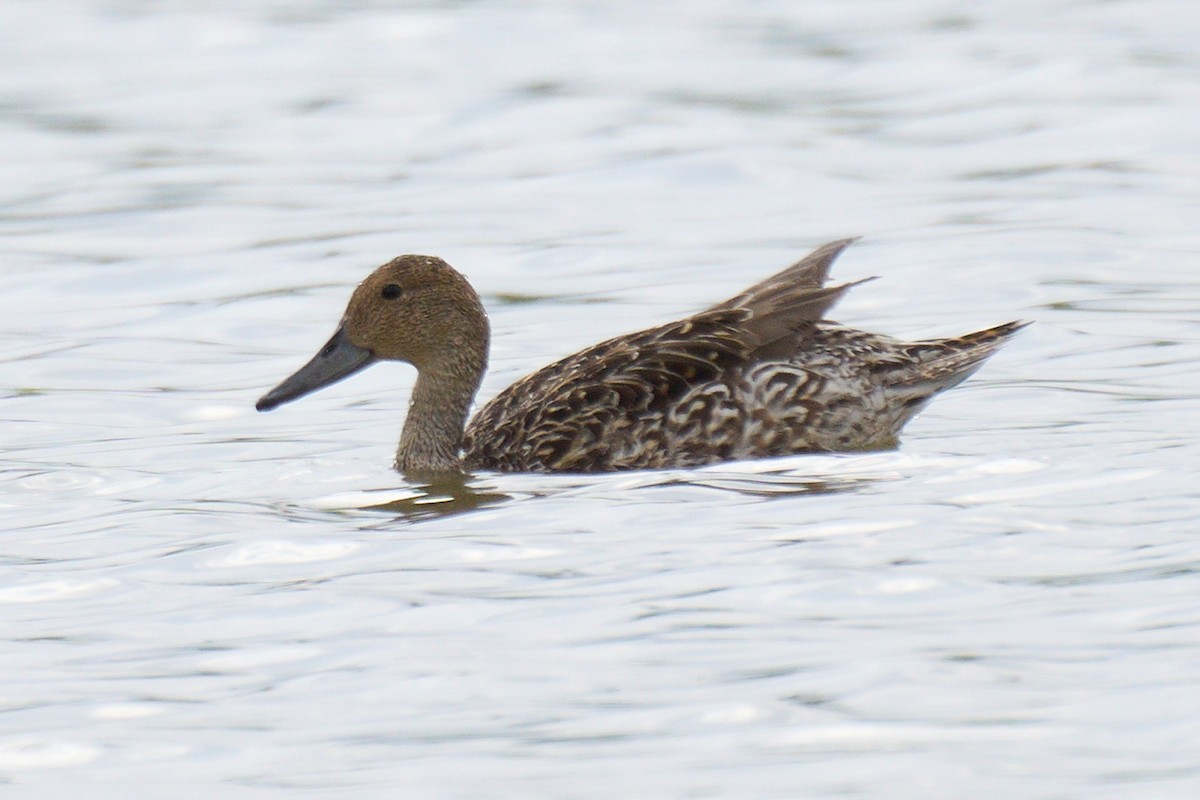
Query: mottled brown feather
760,374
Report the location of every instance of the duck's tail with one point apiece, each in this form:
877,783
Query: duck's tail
948,362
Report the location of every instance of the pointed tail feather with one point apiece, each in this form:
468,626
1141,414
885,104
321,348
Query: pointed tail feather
948,362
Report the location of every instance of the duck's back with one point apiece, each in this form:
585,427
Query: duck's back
758,375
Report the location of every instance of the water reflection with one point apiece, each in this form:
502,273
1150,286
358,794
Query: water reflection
444,497
781,484
452,495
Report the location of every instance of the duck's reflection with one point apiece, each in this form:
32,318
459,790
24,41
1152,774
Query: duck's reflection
442,497
450,494
778,485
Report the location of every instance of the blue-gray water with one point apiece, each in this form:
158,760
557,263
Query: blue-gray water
196,601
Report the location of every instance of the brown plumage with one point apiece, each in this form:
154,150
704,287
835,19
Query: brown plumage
761,374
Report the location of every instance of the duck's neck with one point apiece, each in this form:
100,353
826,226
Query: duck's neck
437,413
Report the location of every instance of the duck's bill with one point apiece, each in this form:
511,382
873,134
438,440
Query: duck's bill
338,359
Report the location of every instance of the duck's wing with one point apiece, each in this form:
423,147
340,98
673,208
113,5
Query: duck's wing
783,307
577,414
574,415
791,286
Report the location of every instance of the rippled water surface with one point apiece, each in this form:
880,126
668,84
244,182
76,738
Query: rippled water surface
201,601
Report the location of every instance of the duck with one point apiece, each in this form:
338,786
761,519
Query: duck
760,375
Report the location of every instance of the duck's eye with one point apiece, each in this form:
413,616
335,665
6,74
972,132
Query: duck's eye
392,291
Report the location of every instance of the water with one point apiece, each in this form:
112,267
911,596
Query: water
202,601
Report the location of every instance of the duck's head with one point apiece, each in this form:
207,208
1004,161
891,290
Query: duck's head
416,309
